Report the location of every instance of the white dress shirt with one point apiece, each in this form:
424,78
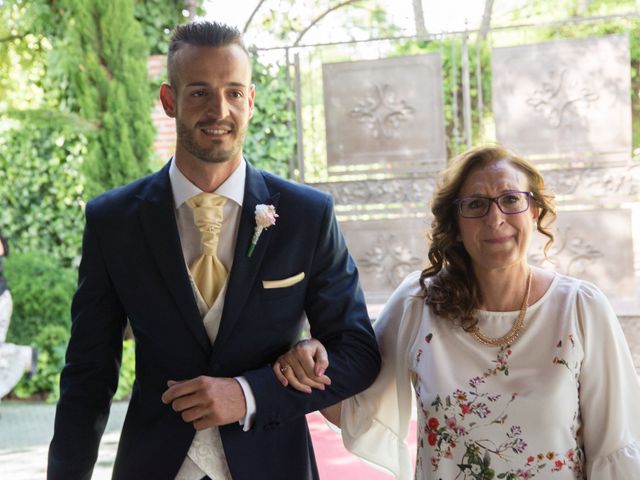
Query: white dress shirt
233,190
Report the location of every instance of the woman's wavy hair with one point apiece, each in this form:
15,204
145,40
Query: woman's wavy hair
451,290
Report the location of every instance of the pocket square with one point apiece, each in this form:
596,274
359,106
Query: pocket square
284,283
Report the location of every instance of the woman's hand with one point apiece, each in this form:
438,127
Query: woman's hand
303,366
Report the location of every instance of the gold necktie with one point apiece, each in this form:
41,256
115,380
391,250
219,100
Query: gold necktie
207,270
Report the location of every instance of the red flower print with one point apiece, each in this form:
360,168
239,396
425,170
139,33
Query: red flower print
530,460
433,423
559,464
432,438
465,408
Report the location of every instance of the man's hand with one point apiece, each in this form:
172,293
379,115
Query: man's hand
207,401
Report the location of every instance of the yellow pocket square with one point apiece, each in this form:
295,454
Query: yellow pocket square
284,283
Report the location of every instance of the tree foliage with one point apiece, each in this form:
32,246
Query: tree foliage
101,62
287,21
271,139
42,188
75,101
24,45
158,17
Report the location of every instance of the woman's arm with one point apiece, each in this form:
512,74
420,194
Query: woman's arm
609,391
374,423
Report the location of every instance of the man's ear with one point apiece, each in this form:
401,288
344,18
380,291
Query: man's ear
168,99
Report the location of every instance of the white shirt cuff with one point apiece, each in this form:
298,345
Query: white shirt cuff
247,421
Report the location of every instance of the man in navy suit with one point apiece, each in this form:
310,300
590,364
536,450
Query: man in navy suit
205,403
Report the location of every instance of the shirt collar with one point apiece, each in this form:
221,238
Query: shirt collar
232,188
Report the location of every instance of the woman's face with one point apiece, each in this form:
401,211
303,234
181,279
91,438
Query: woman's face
497,240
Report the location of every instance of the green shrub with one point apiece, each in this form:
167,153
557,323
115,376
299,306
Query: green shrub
51,343
42,289
127,370
110,89
270,143
41,186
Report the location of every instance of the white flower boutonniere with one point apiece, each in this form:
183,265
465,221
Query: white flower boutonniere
265,217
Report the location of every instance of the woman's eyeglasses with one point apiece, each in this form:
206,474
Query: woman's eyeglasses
509,203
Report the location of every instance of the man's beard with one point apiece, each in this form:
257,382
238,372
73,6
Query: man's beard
214,153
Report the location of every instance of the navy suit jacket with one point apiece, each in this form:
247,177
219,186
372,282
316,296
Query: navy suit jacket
133,268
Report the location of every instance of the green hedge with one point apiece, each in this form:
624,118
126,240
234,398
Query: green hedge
127,370
41,187
270,143
51,343
42,289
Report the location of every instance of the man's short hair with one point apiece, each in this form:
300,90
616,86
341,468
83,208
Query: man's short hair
202,34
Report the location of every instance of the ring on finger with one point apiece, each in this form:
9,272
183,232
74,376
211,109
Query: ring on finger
284,368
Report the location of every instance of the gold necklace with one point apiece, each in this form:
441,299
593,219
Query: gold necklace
512,335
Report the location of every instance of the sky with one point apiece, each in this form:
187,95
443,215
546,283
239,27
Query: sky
440,15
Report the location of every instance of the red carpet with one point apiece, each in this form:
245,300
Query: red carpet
336,463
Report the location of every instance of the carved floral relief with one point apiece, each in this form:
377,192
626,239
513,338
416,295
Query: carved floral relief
382,112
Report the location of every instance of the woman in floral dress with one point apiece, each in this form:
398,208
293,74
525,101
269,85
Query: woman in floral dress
517,372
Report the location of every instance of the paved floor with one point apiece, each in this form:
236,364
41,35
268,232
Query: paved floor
26,429
25,432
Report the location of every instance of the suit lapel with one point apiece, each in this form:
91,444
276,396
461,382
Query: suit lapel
245,269
157,216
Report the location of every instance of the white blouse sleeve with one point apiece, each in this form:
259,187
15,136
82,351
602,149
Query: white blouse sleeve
375,423
609,392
